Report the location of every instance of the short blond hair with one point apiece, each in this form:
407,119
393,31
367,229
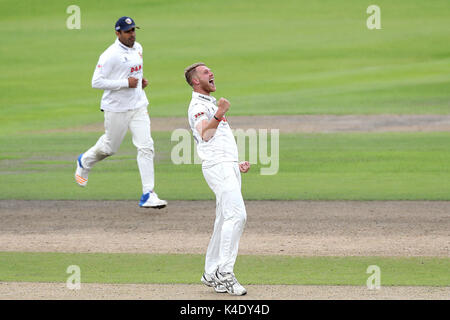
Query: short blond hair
189,71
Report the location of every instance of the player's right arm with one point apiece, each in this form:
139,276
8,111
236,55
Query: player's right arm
207,128
104,72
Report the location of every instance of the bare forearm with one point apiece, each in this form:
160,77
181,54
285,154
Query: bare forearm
209,128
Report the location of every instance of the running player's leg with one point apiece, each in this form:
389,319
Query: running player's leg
116,126
142,139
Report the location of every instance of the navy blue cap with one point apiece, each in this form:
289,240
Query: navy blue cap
124,24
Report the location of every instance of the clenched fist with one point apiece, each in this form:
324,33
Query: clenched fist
132,82
244,166
144,83
223,105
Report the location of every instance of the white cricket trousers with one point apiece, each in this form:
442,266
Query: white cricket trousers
116,127
225,181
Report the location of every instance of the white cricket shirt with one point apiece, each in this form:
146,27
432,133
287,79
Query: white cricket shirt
111,74
222,146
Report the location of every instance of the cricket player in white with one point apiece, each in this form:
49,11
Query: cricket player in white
119,72
218,151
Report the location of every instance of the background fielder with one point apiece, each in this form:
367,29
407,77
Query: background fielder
218,151
119,72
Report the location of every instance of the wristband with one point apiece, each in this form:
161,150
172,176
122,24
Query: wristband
217,118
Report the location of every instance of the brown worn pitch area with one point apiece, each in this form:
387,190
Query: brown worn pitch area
307,123
308,228
305,228
93,291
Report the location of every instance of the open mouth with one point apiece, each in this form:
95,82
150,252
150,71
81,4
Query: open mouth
211,81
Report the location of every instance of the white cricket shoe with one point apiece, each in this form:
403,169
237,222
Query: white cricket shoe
211,281
151,200
81,174
229,281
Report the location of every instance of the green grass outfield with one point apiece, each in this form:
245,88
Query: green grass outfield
270,57
284,57
346,166
187,268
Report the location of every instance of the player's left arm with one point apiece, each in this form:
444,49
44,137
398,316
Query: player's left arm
144,82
